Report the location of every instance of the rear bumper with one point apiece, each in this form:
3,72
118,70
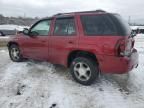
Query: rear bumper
118,65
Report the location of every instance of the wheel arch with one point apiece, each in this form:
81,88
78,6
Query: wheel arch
80,53
11,43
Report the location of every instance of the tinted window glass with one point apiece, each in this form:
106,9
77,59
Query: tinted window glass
122,24
65,26
98,25
42,28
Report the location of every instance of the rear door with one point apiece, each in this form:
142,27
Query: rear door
63,40
36,47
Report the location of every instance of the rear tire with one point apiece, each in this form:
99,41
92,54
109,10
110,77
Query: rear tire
84,70
15,53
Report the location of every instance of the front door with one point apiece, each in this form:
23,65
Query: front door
36,47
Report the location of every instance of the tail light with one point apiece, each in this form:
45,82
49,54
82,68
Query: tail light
124,47
121,48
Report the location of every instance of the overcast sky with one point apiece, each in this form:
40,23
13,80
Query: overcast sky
42,8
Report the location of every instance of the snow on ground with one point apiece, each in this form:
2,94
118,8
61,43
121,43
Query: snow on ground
4,37
139,40
33,84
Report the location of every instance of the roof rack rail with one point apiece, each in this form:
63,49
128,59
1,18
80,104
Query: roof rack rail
60,14
99,10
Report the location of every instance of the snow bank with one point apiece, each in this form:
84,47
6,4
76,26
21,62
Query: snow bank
139,39
4,37
137,27
12,27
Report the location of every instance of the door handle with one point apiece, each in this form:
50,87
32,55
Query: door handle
43,41
70,42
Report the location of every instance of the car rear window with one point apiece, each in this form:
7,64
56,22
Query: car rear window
94,25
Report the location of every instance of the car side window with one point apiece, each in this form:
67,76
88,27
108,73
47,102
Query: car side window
42,27
98,25
65,27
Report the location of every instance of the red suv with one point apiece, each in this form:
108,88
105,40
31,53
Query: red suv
88,42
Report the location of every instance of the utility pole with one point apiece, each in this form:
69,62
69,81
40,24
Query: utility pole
24,15
129,19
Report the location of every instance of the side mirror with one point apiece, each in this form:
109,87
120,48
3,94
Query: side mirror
33,34
25,31
30,33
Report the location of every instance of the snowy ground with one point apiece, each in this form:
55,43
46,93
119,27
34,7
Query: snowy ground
34,84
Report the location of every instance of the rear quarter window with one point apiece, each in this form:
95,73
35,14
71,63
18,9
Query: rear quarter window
100,25
123,27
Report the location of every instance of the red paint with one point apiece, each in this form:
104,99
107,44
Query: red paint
56,49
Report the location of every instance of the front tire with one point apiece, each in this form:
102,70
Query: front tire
84,70
15,53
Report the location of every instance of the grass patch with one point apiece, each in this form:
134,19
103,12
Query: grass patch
3,43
